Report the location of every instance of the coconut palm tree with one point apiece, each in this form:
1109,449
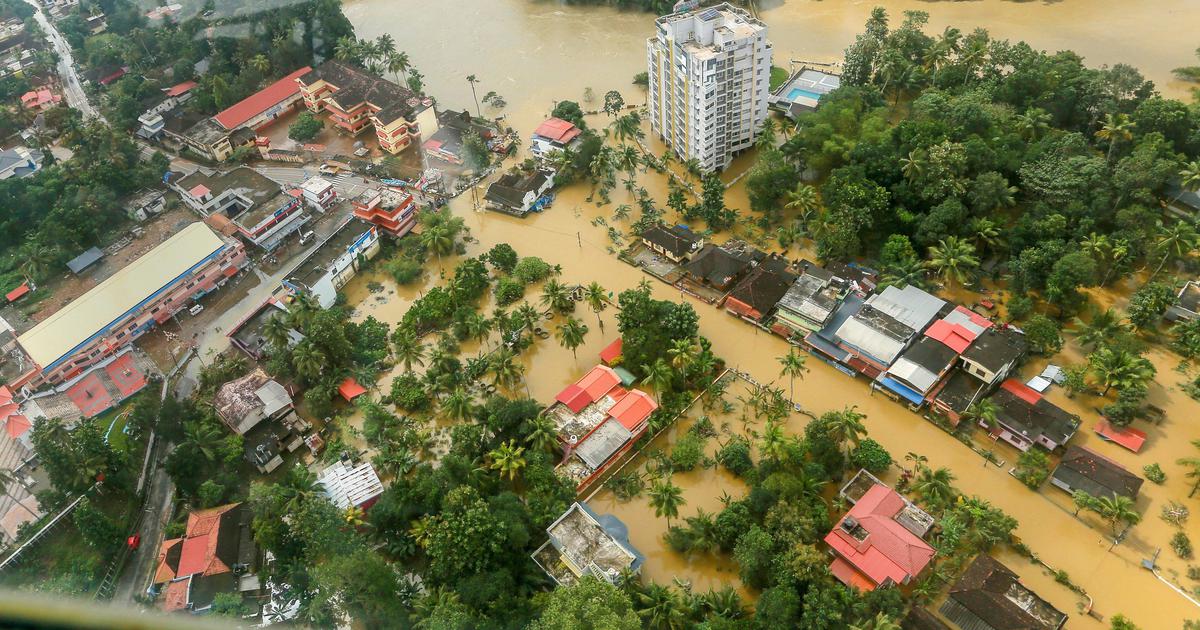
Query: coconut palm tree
879,622
308,361
260,63
201,438
508,459
1096,245
596,296
298,486
507,372
683,353
627,127
346,49
1193,468
7,479
985,232
935,487
408,348
528,316
1033,123
439,240
571,334
555,296
1116,128
1178,241
1120,368
458,405
661,608
774,442
541,433
906,272
277,333
914,164
398,64
982,410
846,426
917,459
725,603
35,259
1189,178
1101,327
1118,510
302,308
788,234
793,366
666,498
953,259
659,376
804,199
473,80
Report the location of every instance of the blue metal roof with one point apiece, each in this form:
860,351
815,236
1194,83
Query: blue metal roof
900,388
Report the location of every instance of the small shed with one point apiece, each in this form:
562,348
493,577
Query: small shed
350,389
611,353
85,260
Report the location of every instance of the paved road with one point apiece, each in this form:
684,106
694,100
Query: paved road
156,512
72,88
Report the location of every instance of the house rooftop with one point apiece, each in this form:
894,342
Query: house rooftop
588,544
259,102
910,306
1189,296
720,265
990,595
874,543
241,396
1025,411
1087,470
922,364
960,391
557,130
347,484
677,240
763,287
356,87
316,264
91,313
996,347
875,333
959,328
510,189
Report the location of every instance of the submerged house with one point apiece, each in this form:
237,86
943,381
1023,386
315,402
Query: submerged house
808,304
1025,418
886,324
755,297
989,596
517,193
582,542
598,420
919,371
1187,303
720,267
554,134
879,542
1088,471
245,402
675,243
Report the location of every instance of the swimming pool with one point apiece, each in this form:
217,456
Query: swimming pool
798,92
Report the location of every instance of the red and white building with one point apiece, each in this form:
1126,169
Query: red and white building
555,134
245,203
598,421
318,193
394,212
40,100
99,324
356,100
880,541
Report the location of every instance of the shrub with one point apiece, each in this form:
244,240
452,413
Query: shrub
1155,473
1032,468
1019,307
688,452
679,539
1193,572
1175,513
502,257
627,485
305,128
508,291
532,269
871,455
735,456
408,394
1181,545
404,270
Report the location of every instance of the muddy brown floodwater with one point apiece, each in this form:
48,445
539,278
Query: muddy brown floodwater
533,53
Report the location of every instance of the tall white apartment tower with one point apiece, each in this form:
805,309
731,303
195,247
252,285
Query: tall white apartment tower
709,75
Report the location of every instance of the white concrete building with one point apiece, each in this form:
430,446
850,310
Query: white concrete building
709,77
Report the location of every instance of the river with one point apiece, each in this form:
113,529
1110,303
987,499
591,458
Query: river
533,53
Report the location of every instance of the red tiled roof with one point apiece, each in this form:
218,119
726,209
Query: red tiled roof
15,423
181,88
165,573
1022,391
848,575
589,388
611,352
573,397
633,409
350,389
18,292
954,336
557,130
261,100
889,551
194,558
199,190
175,596
1127,437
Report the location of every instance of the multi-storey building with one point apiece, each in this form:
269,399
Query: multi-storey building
147,292
394,212
355,100
709,78
244,202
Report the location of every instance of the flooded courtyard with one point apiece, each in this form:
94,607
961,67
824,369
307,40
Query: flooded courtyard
550,52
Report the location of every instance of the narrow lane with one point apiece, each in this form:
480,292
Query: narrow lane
71,85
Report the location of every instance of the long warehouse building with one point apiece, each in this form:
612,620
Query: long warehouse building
126,305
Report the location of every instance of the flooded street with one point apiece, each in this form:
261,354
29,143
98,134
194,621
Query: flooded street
535,52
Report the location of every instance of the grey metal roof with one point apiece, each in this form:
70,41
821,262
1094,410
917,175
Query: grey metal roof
910,305
85,260
606,440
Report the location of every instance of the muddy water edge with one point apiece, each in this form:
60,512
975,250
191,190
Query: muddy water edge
533,53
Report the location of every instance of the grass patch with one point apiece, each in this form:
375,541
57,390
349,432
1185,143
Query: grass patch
778,77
